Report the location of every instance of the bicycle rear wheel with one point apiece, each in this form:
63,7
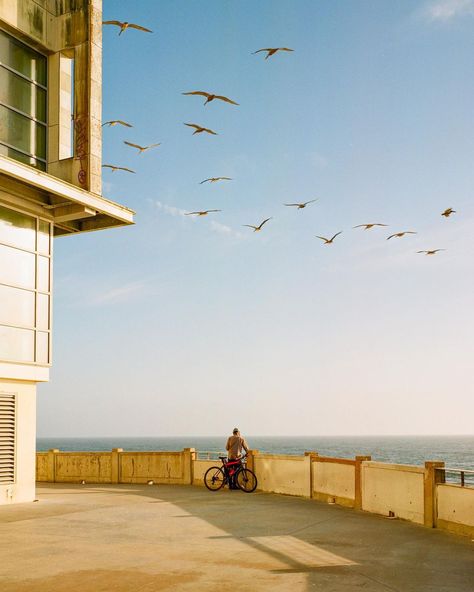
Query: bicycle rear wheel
246,480
214,478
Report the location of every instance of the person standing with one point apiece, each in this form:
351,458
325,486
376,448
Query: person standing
235,444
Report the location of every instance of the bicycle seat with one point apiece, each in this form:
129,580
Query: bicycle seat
223,457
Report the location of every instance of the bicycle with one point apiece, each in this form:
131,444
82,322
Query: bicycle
231,471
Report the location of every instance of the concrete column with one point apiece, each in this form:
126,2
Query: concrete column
432,477
358,480
312,454
251,459
52,465
189,456
115,465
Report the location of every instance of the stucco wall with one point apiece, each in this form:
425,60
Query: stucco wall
93,467
161,467
396,488
23,489
334,479
200,468
456,508
283,474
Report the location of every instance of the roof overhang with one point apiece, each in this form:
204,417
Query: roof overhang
71,208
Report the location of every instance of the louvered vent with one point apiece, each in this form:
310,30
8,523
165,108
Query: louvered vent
7,438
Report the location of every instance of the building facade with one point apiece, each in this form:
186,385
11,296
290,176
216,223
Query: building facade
50,185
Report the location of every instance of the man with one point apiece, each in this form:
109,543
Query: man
234,446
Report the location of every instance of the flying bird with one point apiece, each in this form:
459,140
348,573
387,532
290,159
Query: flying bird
200,129
272,50
432,252
300,206
448,212
117,168
141,148
328,241
210,97
400,234
201,213
215,179
257,228
124,26
117,122
369,226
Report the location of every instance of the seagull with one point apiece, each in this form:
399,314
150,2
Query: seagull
448,212
257,228
272,50
141,148
328,241
369,226
201,213
116,168
200,129
433,252
300,206
214,179
117,122
124,26
400,234
210,97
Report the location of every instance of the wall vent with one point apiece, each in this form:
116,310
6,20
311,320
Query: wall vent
7,438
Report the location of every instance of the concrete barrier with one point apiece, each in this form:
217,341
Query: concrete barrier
455,508
286,474
333,480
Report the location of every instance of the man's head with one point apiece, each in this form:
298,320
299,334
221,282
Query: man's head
235,431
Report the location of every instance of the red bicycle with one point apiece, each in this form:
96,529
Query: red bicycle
231,472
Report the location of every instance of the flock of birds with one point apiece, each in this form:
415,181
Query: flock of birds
198,129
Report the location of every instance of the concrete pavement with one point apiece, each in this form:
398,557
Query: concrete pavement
124,538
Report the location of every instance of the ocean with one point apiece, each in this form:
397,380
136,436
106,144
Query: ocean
455,451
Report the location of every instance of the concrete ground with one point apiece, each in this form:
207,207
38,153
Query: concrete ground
121,538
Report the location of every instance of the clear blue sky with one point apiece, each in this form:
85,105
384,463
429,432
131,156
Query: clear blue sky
188,326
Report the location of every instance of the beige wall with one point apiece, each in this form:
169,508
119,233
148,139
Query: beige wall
23,489
284,474
200,468
161,467
395,488
456,508
334,480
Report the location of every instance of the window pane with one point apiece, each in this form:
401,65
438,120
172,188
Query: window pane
43,237
22,59
43,274
17,307
17,267
22,133
42,347
42,311
7,151
17,92
17,229
17,345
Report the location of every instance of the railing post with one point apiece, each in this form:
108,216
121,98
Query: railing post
115,465
358,480
189,456
251,459
51,477
311,454
432,477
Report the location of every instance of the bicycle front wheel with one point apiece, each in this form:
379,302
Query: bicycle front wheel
214,478
246,480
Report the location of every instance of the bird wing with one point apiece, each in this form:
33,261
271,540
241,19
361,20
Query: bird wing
191,213
123,123
264,49
140,28
291,204
108,166
125,169
322,238
213,210
337,234
422,251
409,232
391,236
224,178
264,222
118,23
310,201
197,92
285,49
226,99
250,226
205,181
133,145
360,225
198,127
152,145
379,224
209,131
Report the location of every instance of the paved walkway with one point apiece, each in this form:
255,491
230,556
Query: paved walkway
137,538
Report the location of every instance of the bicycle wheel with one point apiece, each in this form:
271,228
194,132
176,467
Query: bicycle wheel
246,480
214,478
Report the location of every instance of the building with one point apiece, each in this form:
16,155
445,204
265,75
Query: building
50,185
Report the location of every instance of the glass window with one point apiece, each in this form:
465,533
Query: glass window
17,307
17,92
24,158
42,311
22,133
17,267
17,344
17,229
43,274
42,347
43,238
23,59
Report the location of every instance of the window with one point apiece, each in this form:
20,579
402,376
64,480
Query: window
23,102
25,288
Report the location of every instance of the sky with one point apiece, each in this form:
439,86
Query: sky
188,326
